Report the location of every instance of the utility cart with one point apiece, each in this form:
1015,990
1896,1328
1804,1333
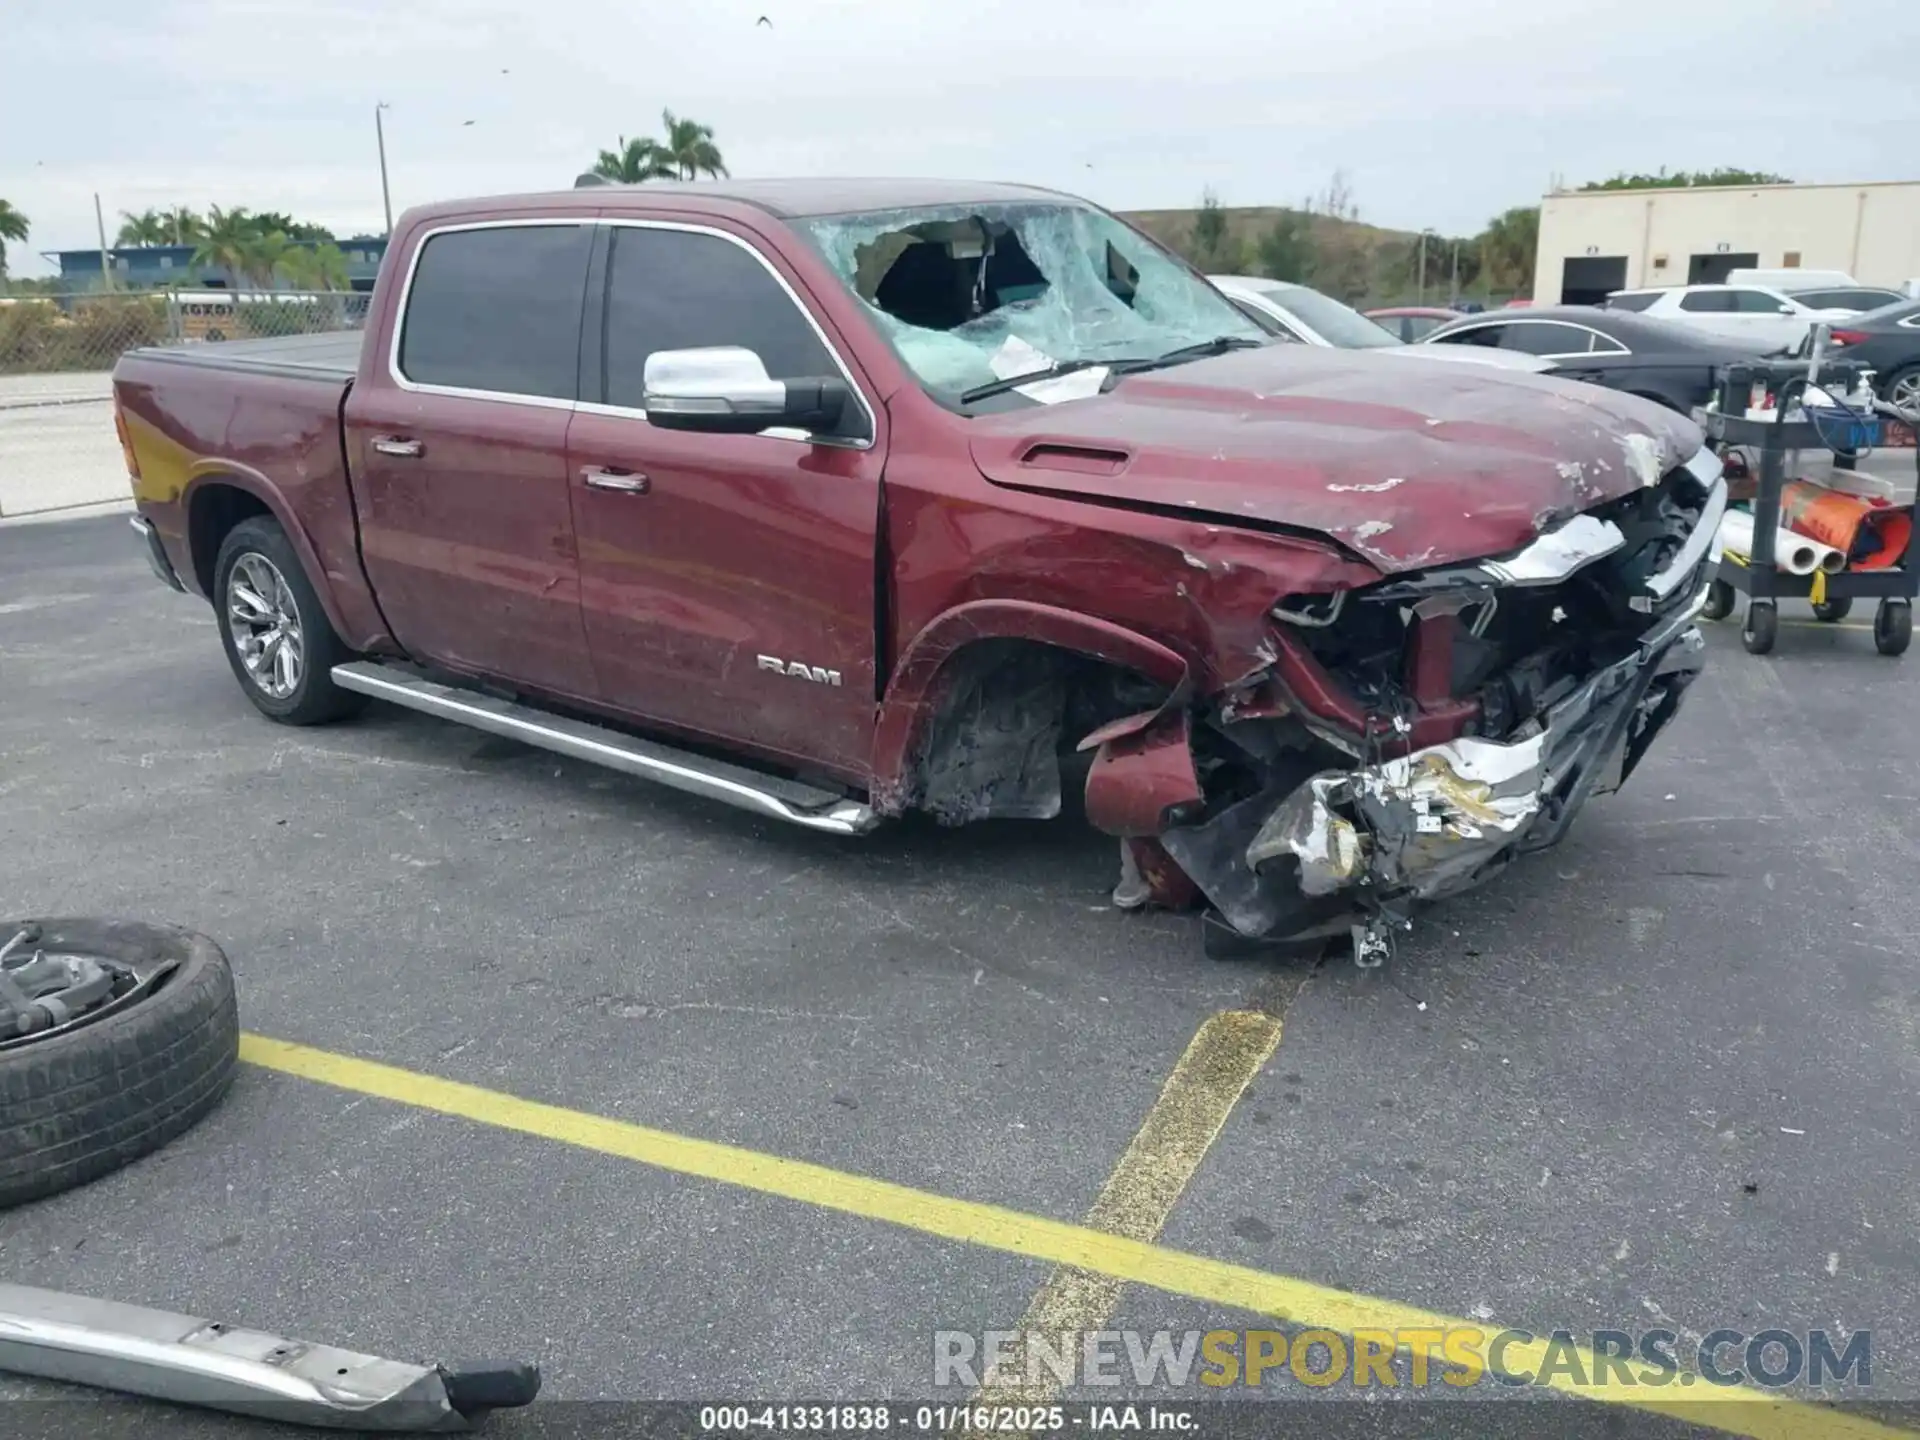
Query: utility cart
1758,577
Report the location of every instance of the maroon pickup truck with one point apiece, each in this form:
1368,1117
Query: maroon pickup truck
837,499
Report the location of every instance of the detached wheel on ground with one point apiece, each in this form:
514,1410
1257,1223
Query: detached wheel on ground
115,1038
1719,601
277,637
1761,626
1893,627
1832,611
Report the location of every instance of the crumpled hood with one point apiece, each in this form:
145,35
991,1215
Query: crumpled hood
1407,465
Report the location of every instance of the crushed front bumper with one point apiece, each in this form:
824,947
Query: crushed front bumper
191,1361
1378,838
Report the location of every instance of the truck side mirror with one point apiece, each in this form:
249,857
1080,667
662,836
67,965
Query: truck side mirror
725,390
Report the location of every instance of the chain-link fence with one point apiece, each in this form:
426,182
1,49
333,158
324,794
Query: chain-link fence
57,444
53,334
58,449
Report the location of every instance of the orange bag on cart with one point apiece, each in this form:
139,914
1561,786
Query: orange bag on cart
1872,536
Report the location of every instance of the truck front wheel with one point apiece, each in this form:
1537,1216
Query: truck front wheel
277,638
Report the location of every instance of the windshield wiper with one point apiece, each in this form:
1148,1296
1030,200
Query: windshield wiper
1014,382
1219,345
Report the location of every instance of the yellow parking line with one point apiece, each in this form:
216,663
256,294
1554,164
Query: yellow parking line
1285,1299
1222,1059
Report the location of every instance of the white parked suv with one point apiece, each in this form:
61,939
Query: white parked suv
1757,314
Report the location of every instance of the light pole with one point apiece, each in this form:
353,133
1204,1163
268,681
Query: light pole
380,132
1423,268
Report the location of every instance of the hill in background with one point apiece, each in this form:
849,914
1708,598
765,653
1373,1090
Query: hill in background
1363,264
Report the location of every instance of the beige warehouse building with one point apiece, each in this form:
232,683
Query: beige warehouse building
1594,241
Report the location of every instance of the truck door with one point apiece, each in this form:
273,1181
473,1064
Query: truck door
456,441
727,580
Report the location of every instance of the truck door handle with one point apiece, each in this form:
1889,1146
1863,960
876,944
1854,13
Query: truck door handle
399,446
607,477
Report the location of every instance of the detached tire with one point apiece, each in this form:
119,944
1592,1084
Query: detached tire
277,637
80,1104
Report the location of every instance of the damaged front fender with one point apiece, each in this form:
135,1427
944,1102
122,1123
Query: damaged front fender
1323,846
1428,824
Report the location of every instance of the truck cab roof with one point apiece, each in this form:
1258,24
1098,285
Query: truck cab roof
786,199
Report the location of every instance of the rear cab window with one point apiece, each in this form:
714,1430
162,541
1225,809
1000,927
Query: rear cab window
495,309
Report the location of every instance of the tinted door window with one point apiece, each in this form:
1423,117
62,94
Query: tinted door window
1848,299
1638,301
681,290
1488,335
1755,302
1544,338
498,310
1714,302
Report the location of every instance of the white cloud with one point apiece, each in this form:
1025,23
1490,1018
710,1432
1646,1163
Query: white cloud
1441,116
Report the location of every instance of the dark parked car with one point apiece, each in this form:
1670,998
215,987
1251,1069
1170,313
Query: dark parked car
1656,360
1848,297
1887,339
1413,323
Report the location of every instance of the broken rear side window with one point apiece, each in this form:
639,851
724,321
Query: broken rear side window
967,295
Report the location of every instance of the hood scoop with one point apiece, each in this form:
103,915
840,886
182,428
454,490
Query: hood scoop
1076,459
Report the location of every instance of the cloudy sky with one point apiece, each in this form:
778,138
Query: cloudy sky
1442,114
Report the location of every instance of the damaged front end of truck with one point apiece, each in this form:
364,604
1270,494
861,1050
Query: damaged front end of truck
1405,740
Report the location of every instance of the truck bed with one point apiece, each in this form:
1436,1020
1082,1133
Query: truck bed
331,356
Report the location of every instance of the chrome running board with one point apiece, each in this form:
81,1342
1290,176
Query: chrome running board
191,1361
790,800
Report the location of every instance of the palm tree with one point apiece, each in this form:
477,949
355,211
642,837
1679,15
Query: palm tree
227,243
635,161
687,153
263,254
268,221
147,228
316,267
13,226
690,148
183,226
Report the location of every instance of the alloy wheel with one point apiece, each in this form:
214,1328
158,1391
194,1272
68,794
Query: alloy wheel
264,621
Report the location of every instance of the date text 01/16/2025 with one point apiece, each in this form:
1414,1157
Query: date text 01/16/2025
1011,1420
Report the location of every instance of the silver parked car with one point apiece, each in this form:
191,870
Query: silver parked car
1300,313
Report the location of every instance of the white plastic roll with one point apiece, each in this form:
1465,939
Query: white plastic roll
1793,552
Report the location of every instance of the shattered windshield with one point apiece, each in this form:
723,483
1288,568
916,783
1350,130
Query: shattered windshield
968,295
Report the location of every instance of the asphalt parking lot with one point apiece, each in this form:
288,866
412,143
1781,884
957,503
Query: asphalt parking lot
1662,1075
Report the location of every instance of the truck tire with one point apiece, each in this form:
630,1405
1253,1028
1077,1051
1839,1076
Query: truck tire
278,639
83,1102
